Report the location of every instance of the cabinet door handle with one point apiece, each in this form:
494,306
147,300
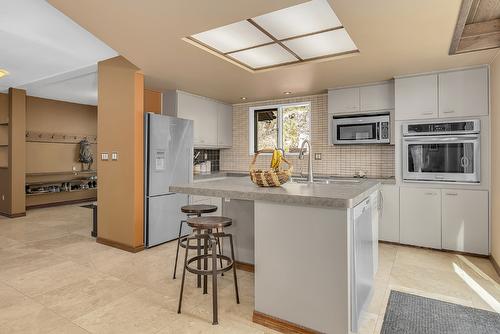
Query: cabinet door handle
430,193
427,113
451,194
449,111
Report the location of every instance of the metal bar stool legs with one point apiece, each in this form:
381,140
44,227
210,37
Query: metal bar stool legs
178,245
211,242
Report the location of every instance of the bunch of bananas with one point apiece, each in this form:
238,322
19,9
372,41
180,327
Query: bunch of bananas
276,159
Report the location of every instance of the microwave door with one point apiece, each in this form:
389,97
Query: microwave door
356,133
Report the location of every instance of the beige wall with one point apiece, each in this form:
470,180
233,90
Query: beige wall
495,157
152,101
51,116
376,160
120,129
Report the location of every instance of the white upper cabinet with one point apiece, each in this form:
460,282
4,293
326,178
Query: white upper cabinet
212,120
463,93
416,97
225,125
203,112
361,99
465,221
377,97
343,101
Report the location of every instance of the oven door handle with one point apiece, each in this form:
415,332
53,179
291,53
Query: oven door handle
441,138
464,162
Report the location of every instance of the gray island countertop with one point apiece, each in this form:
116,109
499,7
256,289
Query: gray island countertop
332,195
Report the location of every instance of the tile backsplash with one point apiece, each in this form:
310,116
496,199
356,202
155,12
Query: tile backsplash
212,155
342,160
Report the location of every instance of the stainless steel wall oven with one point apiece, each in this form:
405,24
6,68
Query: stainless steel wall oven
442,151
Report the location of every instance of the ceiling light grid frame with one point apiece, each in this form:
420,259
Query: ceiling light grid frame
280,46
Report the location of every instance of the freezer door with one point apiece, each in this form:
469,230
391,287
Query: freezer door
170,153
164,217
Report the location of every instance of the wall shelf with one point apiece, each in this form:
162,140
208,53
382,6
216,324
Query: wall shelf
76,173
60,192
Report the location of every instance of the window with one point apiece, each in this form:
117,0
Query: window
282,126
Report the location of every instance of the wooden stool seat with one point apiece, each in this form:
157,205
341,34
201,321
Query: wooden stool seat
198,209
209,222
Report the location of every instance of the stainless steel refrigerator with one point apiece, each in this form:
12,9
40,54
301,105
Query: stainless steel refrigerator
168,160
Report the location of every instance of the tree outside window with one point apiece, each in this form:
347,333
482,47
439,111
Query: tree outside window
283,126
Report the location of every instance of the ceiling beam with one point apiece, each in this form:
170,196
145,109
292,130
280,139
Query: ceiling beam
459,28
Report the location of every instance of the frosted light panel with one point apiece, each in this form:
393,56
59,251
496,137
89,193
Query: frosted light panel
263,56
309,17
327,43
233,37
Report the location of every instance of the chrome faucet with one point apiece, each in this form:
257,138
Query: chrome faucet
309,164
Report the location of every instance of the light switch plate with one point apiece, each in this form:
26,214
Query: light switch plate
114,156
105,156
317,156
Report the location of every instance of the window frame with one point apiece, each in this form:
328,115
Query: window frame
279,107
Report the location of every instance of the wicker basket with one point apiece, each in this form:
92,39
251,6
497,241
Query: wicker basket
270,178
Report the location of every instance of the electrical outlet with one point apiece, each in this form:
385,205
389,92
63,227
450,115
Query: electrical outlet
114,156
317,156
105,156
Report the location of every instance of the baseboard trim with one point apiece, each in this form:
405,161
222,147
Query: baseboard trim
119,245
280,325
435,249
245,266
495,265
14,215
49,205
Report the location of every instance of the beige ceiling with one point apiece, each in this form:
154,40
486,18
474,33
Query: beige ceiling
394,37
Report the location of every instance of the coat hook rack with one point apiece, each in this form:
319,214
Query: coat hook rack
46,137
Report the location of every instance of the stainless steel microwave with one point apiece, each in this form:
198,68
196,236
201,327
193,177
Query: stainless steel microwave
442,151
370,129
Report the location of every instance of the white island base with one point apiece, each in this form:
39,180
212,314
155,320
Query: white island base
302,258
314,247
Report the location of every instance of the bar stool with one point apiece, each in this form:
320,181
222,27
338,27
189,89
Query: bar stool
192,210
207,224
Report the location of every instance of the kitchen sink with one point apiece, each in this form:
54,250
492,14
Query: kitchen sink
328,180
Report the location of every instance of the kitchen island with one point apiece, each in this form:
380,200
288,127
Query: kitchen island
313,246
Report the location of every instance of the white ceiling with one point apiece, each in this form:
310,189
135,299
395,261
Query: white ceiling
47,53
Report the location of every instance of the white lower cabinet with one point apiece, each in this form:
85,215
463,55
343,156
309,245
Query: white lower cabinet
217,201
465,221
389,220
420,217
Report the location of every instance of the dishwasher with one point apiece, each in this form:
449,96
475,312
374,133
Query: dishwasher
362,260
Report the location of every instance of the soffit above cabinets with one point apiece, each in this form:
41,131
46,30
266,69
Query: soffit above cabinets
477,27
293,35
40,45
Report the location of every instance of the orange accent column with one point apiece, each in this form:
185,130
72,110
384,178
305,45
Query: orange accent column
17,151
120,118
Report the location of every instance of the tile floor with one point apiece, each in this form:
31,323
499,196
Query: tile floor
54,278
